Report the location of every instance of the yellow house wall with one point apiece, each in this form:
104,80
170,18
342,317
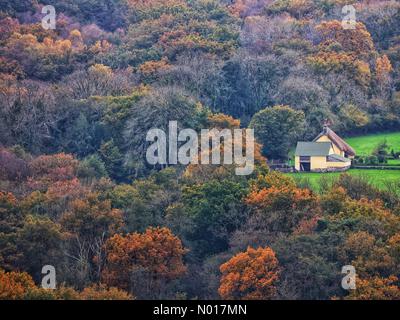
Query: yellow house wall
336,150
297,163
318,163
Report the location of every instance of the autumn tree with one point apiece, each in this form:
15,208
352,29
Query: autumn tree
77,192
383,71
28,242
371,216
375,288
297,8
47,169
217,124
250,275
20,286
42,59
15,285
278,207
160,31
101,292
143,263
368,256
355,41
394,247
346,51
383,68
90,221
149,71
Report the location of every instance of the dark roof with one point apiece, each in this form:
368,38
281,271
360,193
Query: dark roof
339,142
312,148
337,158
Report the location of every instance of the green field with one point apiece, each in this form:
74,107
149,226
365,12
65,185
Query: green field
375,177
364,145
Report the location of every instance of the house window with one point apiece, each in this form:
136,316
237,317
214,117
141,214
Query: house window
305,159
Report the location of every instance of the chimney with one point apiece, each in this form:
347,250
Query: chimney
326,125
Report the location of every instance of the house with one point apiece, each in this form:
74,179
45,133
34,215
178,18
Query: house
327,152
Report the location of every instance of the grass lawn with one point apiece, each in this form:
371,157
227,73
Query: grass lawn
376,177
364,145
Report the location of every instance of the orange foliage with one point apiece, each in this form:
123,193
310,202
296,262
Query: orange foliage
272,179
307,226
20,285
150,69
342,62
280,198
101,292
394,248
201,172
344,50
333,201
91,217
376,288
7,200
372,211
357,41
179,40
10,69
394,241
383,68
250,275
157,251
56,199
65,189
100,47
223,121
359,243
15,285
48,46
8,26
48,169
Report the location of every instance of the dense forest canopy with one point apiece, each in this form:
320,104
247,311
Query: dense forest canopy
76,192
